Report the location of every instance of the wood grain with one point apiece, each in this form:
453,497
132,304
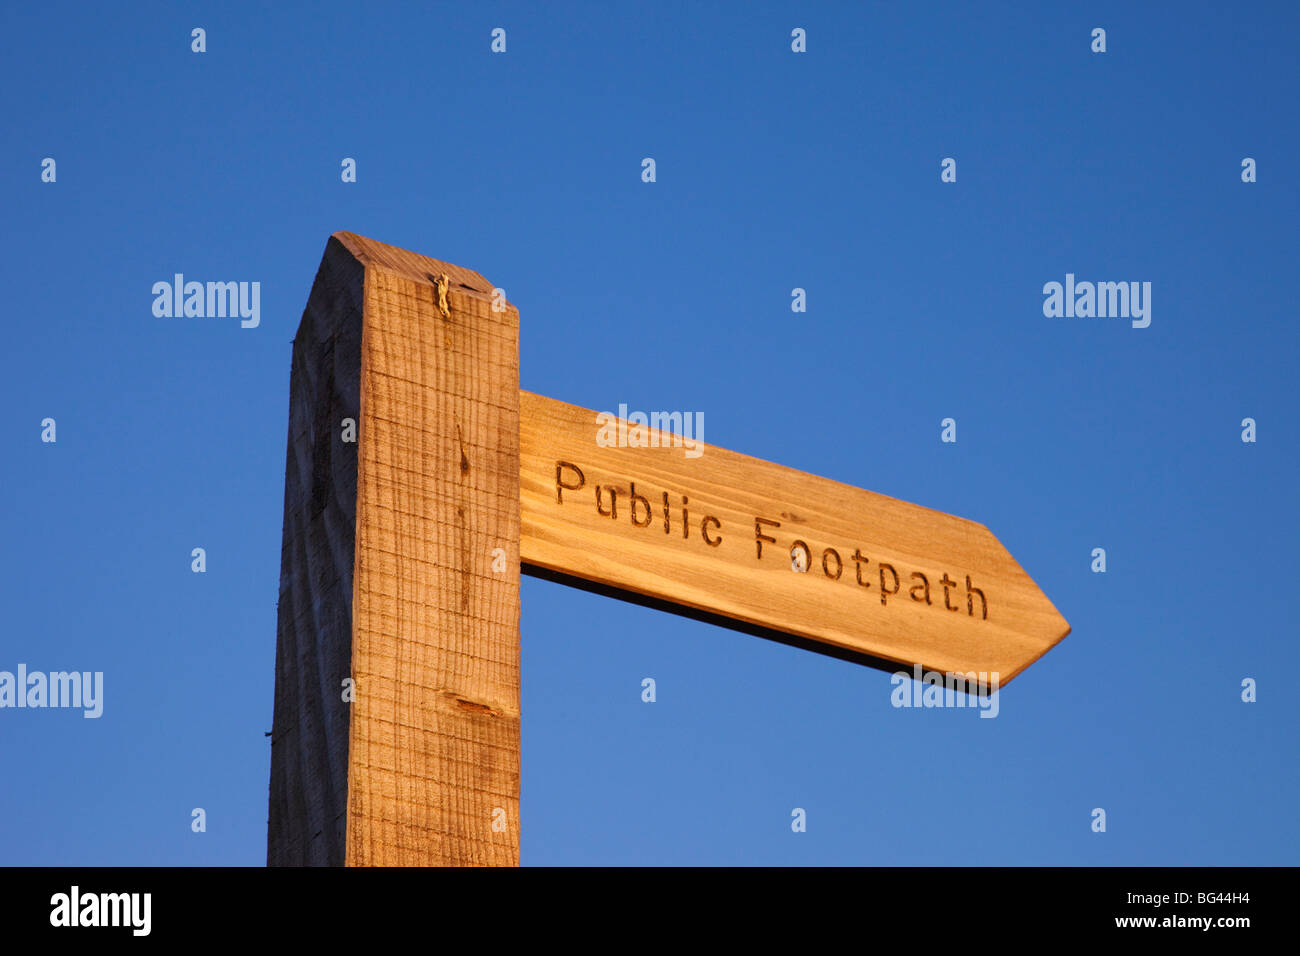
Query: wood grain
434,745
860,547
388,571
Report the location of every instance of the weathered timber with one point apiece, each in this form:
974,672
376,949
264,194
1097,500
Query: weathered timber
388,571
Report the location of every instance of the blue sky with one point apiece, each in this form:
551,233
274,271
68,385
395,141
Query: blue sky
775,170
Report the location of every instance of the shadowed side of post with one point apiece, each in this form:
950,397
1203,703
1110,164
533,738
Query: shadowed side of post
309,735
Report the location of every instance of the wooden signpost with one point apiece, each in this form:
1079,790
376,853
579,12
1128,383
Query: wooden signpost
396,730
785,552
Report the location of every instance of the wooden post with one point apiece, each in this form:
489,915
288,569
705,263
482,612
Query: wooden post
390,575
